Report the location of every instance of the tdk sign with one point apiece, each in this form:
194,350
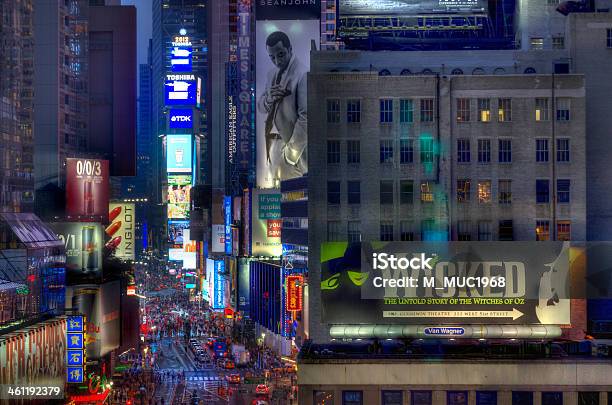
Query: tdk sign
181,118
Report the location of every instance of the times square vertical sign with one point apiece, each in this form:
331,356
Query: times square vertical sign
245,95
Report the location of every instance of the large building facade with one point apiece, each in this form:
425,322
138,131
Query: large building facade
17,97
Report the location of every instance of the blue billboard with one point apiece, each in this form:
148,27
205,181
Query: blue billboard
180,58
178,153
180,118
181,89
218,285
227,208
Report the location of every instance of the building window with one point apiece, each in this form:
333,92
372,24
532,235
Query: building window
505,191
386,111
588,398
558,42
386,231
353,152
506,230
529,71
463,109
552,398
463,190
541,109
484,230
564,230
457,397
542,191
353,194
392,398
333,231
542,230
484,110
426,192
522,398
386,192
484,150
352,397
333,152
553,2
536,43
323,397
406,191
463,150
464,231
427,150
333,192
563,150
609,38
406,151
406,111
457,72
504,110
333,111
427,110
484,191
563,191
353,111
428,229
353,231
505,151
420,397
386,151
541,150
406,231
486,398
563,109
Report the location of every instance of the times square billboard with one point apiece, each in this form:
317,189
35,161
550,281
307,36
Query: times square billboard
84,242
87,187
442,283
350,8
284,36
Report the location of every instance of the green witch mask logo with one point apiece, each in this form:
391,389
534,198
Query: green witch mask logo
331,283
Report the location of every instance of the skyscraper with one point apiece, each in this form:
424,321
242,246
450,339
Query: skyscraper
16,96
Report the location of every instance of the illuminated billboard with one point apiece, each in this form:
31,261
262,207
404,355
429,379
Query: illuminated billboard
175,254
218,238
227,213
122,218
410,7
83,242
189,252
216,283
179,191
181,89
178,153
175,231
180,118
294,292
442,283
266,223
281,87
287,10
87,187
181,51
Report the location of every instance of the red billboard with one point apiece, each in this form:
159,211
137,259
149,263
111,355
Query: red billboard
295,292
87,187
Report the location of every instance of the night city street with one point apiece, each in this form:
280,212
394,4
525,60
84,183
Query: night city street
305,202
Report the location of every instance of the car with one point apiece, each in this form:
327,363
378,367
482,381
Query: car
259,402
229,365
262,389
233,378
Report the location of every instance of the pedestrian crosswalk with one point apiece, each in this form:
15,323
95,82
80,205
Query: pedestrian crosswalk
203,378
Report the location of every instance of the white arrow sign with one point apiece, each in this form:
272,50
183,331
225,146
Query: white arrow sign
514,314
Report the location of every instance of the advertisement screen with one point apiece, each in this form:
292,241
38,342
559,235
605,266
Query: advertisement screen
218,289
446,283
175,254
227,212
122,218
189,252
175,231
266,223
281,89
180,118
83,242
218,238
179,192
178,154
409,7
180,57
180,89
87,187
294,292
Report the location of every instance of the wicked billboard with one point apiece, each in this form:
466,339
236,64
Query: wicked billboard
446,283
